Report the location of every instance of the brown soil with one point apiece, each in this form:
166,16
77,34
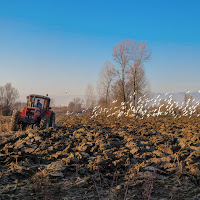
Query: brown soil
102,158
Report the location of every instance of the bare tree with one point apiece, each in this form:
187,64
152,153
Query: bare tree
8,96
122,54
90,97
119,90
106,77
137,78
19,105
131,58
75,105
137,83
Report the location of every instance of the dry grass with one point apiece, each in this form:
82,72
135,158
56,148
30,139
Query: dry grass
4,123
42,186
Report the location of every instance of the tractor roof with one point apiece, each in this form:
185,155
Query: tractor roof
39,96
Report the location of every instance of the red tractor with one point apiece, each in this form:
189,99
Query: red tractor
37,112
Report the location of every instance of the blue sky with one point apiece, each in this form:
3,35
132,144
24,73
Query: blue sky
50,46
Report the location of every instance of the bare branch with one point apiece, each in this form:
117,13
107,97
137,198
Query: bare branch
106,77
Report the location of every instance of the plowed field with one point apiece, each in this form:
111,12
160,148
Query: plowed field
102,158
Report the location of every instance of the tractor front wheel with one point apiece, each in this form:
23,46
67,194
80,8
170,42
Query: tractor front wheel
14,121
45,123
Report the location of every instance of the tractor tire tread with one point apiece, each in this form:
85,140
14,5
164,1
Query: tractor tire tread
14,121
44,123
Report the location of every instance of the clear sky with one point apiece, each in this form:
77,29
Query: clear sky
48,46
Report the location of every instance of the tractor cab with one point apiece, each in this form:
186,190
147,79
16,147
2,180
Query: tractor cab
42,102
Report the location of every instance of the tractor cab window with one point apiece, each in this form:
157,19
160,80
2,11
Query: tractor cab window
39,102
30,101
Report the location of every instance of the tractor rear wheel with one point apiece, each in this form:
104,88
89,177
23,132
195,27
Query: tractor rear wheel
45,123
14,121
52,120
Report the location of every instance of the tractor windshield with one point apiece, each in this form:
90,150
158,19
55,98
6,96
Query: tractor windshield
39,102
35,102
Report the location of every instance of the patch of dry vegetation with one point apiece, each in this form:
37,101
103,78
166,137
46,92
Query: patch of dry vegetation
4,123
103,158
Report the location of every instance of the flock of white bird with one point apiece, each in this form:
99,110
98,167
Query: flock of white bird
147,107
151,107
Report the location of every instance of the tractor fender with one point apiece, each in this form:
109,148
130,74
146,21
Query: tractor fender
48,113
23,113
